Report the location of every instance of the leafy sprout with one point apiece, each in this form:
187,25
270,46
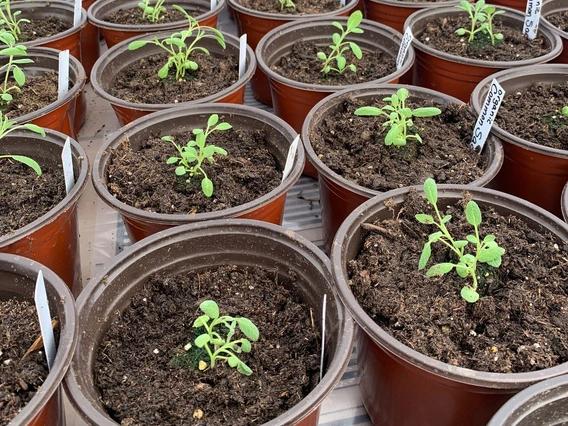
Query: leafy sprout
565,111
480,13
287,4
485,250
340,46
6,127
9,21
152,13
399,117
11,68
220,346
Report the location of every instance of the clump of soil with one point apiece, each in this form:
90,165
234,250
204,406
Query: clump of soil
534,114
41,28
141,382
38,92
303,65
518,325
354,147
440,34
24,195
559,20
303,7
134,16
142,179
139,82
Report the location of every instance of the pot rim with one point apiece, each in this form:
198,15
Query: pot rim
122,47
409,4
59,139
430,14
164,238
398,349
291,27
126,132
552,6
376,89
289,18
514,74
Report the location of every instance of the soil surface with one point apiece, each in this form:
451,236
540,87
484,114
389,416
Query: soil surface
535,114
440,34
38,92
143,180
20,379
519,324
302,7
354,148
303,65
41,28
146,376
25,196
139,82
134,16
559,19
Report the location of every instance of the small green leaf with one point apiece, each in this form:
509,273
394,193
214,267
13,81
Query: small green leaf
217,342
336,38
233,361
459,244
201,321
210,308
202,340
439,269
495,262
163,72
337,25
6,97
223,126
19,75
447,218
248,328
218,150
213,119
246,345
175,42
462,270
172,160
431,191
472,239
424,218
35,128
473,214
368,111
435,236
460,31
469,294
354,20
207,187
341,62
425,256
137,44
28,162
490,254
244,369
180,171
356,50
426,112
489,238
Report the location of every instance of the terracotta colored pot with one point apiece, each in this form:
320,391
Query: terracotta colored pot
90,43
548,8
267,246
339,196
119,57
520,5
530,171
60,114
17,280
400,386
117,33
458,76
257,24
52,239
268,208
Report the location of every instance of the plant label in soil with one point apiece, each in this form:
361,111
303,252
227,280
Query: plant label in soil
44,316
487,116
213,4
242,55
324,306
532,18
290,158
404,46
67,161
77,12
63,86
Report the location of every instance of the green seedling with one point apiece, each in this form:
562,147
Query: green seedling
180,52
482,14
339,46
222,347
152,13
26,160
287,4
196,151
565,111
11,68
485,250
7,126
9,21
399,117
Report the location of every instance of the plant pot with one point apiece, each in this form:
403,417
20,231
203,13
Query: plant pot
543,403
18,278
119,57
269,208
531,171
339,196
519,5
90,43
548,8
400,386
458,76
257,24
117,33
267,245
53,239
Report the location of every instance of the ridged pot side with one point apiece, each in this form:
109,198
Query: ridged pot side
548,8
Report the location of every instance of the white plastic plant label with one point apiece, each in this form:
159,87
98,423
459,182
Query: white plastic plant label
532,18
404,46
63,85
242,55
290,159
77,12
213,4
487,115
323,316
42,306
342,3
67,161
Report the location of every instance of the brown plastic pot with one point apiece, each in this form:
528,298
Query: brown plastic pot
257,24
458,76
222,241
548,8
520,5
400,386
117,33
17,280
530,171
339,196
90,43
119,57
52,239
268,208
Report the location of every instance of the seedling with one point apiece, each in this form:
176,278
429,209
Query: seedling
399,117
486,250
482,14
152,13
26,160
224,348
7,126
9,21
11,68
196,151
287,4
340,46
179,52
565,111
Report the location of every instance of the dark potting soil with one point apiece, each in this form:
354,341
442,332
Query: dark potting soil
303,65
37,92
42,28
145,375
143,180
354,148
440,34
24,195
559,19
303,7
134,16
139,82
519,323
20,379
534,114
